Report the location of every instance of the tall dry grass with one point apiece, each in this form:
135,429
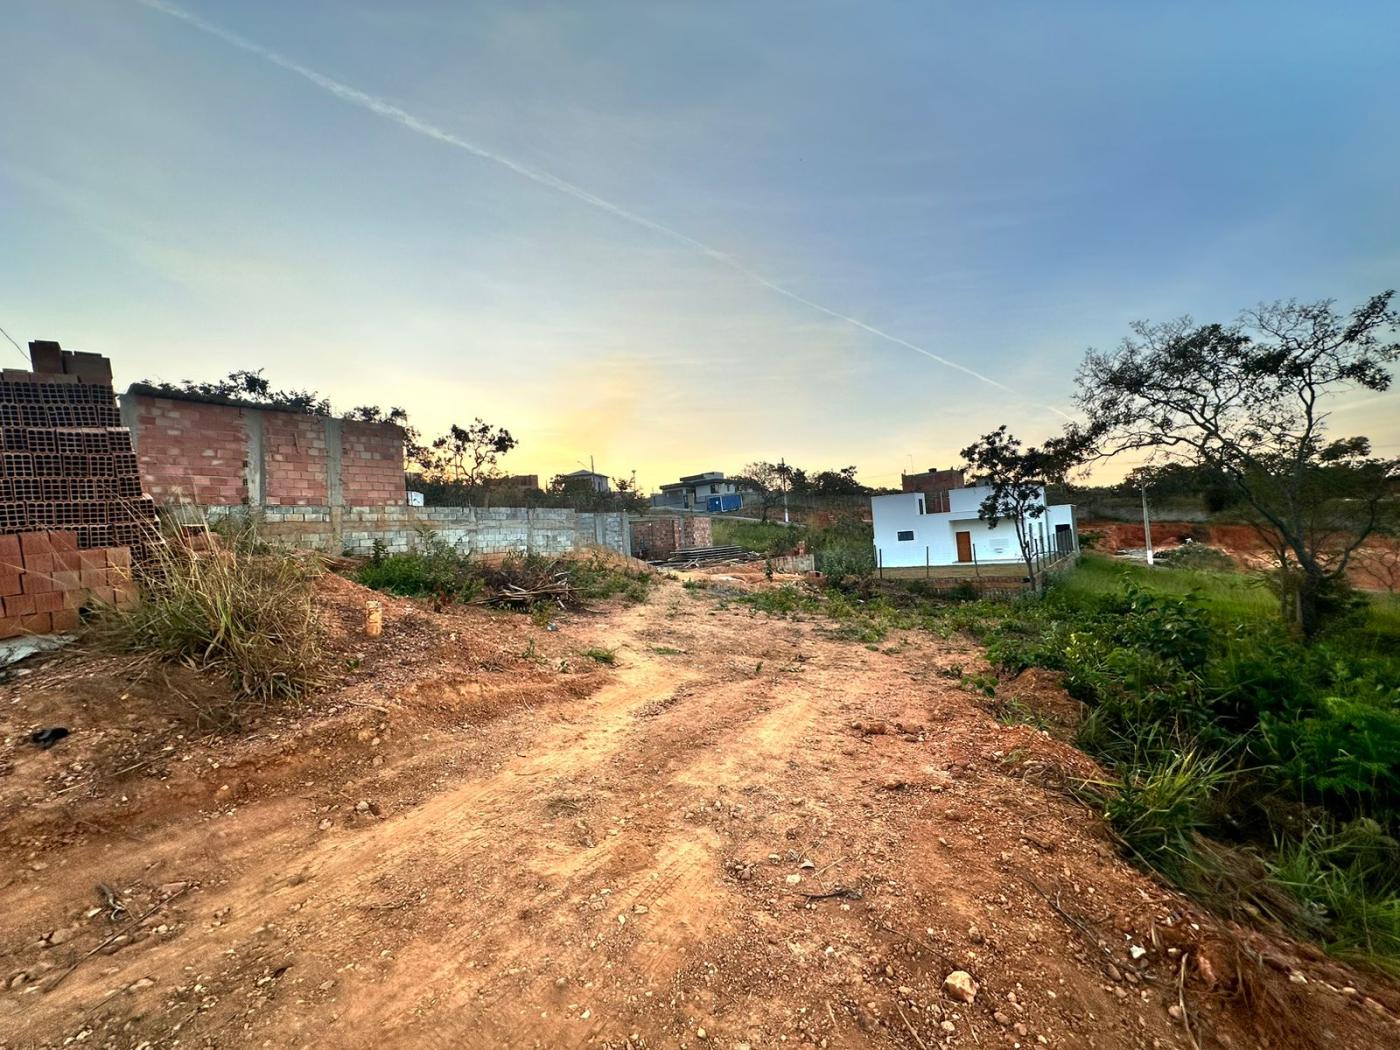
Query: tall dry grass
244,612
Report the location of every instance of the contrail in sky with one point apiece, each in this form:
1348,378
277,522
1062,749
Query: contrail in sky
544,178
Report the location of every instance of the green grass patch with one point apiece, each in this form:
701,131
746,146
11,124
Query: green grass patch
601,655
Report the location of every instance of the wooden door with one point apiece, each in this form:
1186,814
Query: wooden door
964,546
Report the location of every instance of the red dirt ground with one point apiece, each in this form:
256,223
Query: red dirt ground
745,833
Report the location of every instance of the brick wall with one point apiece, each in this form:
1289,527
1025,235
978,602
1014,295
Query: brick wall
221,455
294,459
191,450
656,538
371,464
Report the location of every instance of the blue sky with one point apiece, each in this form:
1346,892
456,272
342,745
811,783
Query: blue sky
1001,185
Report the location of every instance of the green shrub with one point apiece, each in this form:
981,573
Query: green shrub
595,577
1350,881
432,569
1197,556
249,617
1159,808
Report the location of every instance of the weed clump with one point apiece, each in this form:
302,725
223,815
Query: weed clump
244,612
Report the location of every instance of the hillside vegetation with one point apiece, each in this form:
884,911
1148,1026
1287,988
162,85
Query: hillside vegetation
1249,769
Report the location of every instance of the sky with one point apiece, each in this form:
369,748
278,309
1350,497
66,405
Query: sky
677,237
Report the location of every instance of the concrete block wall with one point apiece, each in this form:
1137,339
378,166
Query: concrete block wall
471,530
219,454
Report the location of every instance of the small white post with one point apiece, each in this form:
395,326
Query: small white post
1146,525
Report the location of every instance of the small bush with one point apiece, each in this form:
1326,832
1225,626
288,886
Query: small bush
433,569
601,655
1197,556
246,616
596,577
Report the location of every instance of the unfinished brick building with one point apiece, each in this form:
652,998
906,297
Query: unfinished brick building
218,452
657,538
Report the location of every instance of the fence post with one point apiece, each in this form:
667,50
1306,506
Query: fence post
926,565
880,561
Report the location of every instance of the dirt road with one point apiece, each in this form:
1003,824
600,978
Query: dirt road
745,832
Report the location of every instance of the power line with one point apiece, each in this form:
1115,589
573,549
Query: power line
17,347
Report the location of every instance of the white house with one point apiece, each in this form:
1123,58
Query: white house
907,534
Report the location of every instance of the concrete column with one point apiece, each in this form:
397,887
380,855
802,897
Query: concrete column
254,457
334,491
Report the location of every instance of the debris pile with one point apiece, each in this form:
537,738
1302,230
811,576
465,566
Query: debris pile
697,556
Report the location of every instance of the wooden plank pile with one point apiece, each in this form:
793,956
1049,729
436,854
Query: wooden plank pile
697,556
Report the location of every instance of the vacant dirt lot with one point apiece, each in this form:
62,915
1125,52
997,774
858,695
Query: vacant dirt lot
744,832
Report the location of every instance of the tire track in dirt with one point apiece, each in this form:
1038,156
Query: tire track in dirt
637,860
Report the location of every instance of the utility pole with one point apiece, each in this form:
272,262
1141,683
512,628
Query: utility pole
1146,525
782,472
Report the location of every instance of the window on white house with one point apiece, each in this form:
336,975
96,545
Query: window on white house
921,505
714,490
904,534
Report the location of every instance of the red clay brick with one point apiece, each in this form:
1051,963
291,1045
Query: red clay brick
36,623
10,583
37,583
119,556
64,541
31,543
65,619
39,563
67,579
9,551
92,578
9,627
48,603
19,604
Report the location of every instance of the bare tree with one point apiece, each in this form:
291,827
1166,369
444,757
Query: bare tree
1248,399
469,456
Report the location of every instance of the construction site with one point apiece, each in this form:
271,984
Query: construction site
657,819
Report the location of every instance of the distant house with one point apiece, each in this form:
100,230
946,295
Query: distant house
585,479
943,527
710,491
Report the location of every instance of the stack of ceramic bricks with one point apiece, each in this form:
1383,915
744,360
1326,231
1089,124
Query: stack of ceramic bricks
66,462
45,579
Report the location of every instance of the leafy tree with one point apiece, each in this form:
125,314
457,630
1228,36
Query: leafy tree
769,481
468,456
1248,399
249,388
1016,476
831,483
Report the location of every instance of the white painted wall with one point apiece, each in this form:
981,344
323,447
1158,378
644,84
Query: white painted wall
934,536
